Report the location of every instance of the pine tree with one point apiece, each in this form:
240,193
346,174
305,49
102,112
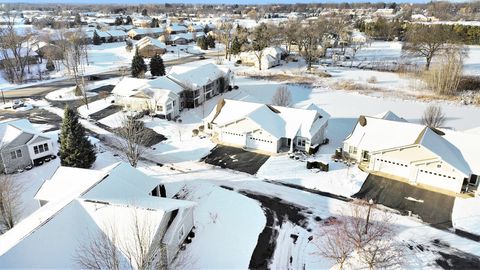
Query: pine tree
202,43
156,66
50,66
128,20
138,65
75,148
235,47
96,38
210,41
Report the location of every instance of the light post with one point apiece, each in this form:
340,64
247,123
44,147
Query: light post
3,96
370,204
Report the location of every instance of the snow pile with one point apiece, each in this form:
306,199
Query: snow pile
340,180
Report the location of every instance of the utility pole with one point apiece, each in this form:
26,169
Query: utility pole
370,204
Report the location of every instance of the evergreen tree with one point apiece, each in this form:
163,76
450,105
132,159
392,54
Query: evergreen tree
128,20
202,43
206,29
156,66
50,66
78,19
154,23
236,46
75,148
119,20
96,38
138,65
210,41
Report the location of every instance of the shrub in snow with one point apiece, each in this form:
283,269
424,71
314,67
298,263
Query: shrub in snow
202,43
78,91
50,66
210,41
195,132
75,148
201,128
372,79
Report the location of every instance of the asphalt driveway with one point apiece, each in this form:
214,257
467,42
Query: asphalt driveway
235,159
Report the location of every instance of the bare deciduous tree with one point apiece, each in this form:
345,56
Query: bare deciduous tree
101,252
363,230
15,50
433,117
133,138
334,244
10,207
427,41
282,97
261,38
138,247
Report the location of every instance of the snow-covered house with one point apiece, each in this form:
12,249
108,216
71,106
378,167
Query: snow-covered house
265,127
176,29
149,47
111,207
200,83
140,33
117,35
271,57
441,159
160,96
22,145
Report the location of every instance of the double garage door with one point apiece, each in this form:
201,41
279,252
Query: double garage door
392,167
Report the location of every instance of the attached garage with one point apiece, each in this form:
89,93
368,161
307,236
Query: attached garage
232,138
254,142
393,167
439,179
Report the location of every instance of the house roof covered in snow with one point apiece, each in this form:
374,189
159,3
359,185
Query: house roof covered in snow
389,115
459,149
276,120
102,201
128,86
145,31
150,41
11,131
196,77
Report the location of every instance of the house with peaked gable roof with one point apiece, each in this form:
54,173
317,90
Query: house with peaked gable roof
265,127
415,153
80,206
22,145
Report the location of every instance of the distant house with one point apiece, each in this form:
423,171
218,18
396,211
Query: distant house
443,159
22,145
176,29
196,28
183,87
271,57
265,127
160,96
117,35
139,33
149,47
25,53
200,83
112,205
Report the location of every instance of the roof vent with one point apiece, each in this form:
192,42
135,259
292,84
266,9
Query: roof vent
362,120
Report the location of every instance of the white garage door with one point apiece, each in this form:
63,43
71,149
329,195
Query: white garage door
233,138
261,144
392,167
439,180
